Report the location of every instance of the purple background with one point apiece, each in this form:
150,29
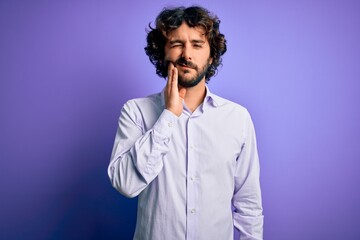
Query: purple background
67,67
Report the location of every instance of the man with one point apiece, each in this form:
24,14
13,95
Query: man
188,154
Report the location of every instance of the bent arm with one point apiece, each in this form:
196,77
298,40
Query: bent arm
137,157
248,216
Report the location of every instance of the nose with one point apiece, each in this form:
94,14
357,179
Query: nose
187,53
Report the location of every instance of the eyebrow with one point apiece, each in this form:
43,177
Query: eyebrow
175,41
197,41
192,41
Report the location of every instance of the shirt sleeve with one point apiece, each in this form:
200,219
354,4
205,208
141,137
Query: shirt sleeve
137,157
247,203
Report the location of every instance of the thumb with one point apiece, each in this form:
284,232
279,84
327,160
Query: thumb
182,93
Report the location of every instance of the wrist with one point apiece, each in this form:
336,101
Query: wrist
176,112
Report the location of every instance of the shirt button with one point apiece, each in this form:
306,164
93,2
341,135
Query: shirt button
170,124
193,210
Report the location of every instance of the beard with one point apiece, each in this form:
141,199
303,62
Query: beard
200,73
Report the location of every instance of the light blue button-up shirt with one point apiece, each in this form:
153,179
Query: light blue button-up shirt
197,175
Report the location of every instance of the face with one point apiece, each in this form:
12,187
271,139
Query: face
189,50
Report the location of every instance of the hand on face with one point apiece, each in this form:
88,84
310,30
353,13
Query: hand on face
174,96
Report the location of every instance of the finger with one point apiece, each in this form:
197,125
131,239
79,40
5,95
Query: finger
174,82
182,93
169,80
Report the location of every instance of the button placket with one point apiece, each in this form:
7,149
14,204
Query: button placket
192,187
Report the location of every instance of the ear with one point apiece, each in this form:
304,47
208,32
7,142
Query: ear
210,60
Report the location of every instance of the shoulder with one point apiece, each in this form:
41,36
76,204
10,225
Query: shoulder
143,112
235,118
143,109
230,107
151,101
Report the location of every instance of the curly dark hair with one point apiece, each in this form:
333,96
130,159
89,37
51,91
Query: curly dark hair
170,19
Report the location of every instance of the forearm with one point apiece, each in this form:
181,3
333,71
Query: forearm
247,201
131,171
138,159
250,227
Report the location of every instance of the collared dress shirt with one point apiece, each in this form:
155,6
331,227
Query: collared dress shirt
196,176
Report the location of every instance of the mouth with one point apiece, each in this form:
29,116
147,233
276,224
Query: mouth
184,66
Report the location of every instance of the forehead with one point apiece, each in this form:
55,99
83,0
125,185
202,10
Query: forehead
184,32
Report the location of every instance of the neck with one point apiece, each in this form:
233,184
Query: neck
195,95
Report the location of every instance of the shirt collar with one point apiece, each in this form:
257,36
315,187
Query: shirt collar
210,99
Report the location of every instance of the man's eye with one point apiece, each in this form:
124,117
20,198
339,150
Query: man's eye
176,45
197,45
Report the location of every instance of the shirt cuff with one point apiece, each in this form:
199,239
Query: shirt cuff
164,126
